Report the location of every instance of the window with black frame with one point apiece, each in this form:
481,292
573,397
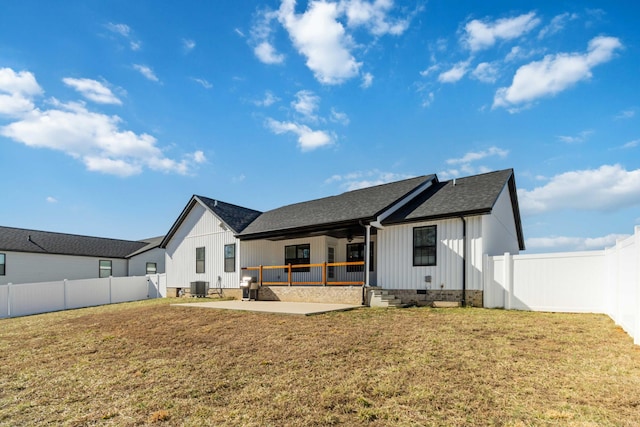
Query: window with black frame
355,253
424,246
3,265
298,254
230,258
200,254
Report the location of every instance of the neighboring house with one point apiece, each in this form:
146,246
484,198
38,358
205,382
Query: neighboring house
419,239
30,256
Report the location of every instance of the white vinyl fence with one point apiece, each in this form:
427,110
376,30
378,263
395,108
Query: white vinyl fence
34,298
605,281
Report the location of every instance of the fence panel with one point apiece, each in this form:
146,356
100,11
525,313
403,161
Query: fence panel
34,298
87,292
605,282
626,311
4,301
124,289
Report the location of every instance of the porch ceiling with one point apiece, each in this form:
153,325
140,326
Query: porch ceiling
341,232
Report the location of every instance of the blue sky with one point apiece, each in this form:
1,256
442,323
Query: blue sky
113,113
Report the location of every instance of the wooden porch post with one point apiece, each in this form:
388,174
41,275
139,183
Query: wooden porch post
324,274
289,275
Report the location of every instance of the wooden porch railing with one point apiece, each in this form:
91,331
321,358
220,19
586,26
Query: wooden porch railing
325,274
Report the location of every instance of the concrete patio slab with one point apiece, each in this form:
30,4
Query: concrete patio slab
299,308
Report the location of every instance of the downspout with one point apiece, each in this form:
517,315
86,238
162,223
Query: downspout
367,260
464,261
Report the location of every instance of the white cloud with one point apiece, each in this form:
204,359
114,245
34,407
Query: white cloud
188,45
306,103
474,156
266,53
581,137
17,91
464,165
573,243
626,114
203,82
555,73
557,24
93,90
363,179
429,70
367,80
338,117
484,34
455,73
51,199
486,72
632,144
124,30
95,139
146,72
319,37
308,139
607,188
373,16
268,100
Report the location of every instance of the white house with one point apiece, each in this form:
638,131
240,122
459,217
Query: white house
419,239
31,256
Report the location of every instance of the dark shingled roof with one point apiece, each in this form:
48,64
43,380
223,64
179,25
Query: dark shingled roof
473,195
234,216
22,240
349,207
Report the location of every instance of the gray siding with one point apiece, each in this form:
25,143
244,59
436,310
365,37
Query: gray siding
24,267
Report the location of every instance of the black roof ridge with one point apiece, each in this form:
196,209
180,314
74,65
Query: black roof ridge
477,175
226,203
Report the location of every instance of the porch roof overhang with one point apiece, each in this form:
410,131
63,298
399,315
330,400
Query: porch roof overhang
338,230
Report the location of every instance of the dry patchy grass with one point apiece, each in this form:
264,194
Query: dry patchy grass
150,363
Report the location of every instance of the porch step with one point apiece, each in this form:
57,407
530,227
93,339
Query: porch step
381,298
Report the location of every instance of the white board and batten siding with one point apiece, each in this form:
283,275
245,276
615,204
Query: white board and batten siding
25,267
201,228
499,228
395,260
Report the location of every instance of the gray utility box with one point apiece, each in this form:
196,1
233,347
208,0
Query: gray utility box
199,289
249,286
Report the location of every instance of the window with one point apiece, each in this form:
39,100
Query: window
105,268
3,264
298,254
424,245
229,258
199,260
152,268
355,252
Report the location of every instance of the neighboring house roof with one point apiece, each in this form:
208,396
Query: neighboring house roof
234,217
473,195
46,242
151,243
342,211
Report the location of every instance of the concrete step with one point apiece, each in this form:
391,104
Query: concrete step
382,298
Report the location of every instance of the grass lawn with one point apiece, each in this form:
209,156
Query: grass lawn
149,363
